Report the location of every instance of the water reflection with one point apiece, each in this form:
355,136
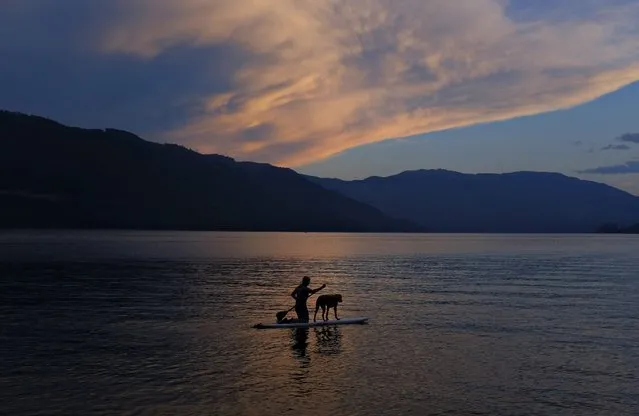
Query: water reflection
329,340
300,375
548,332
300,343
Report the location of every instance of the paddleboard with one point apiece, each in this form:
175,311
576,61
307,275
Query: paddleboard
343,321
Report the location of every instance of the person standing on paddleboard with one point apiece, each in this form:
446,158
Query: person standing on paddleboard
301,294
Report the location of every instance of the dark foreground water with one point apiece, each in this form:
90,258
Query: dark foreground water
159,323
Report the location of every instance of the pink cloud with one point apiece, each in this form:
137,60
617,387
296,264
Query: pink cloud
330,75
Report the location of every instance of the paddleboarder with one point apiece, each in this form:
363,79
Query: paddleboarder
301,294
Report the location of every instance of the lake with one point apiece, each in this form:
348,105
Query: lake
160,323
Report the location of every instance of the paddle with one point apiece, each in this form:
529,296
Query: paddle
281,314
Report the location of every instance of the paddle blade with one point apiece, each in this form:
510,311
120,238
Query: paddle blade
280,315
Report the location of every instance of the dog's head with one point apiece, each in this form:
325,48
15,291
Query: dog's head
338,297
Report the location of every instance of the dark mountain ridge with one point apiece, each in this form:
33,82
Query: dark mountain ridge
56,176
615,229
526,202
52,175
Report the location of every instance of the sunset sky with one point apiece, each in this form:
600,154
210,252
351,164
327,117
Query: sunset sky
343,88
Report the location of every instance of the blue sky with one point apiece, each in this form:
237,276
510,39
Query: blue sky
342,88
567,141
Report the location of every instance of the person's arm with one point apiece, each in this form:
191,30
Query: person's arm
318,289
294,294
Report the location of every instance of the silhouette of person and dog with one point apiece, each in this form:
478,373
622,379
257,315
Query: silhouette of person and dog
301,294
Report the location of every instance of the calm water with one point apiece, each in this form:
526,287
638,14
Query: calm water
159,323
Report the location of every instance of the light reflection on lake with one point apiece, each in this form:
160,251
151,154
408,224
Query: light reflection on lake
160,323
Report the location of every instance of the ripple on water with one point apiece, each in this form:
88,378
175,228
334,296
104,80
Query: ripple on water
160,324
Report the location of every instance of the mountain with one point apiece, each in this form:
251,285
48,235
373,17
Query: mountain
615,229
633,229
526,202
52,175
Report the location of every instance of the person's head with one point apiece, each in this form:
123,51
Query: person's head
306,281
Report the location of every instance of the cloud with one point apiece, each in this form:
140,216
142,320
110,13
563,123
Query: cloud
53,69
310,78
629,138
616,147
628,167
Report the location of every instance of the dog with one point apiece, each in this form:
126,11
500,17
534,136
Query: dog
326,302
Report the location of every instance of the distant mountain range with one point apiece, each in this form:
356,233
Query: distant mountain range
519,202
55,176
615,229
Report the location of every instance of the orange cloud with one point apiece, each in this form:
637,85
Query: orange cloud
328,75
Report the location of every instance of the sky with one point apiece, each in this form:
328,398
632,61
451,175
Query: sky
343,88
